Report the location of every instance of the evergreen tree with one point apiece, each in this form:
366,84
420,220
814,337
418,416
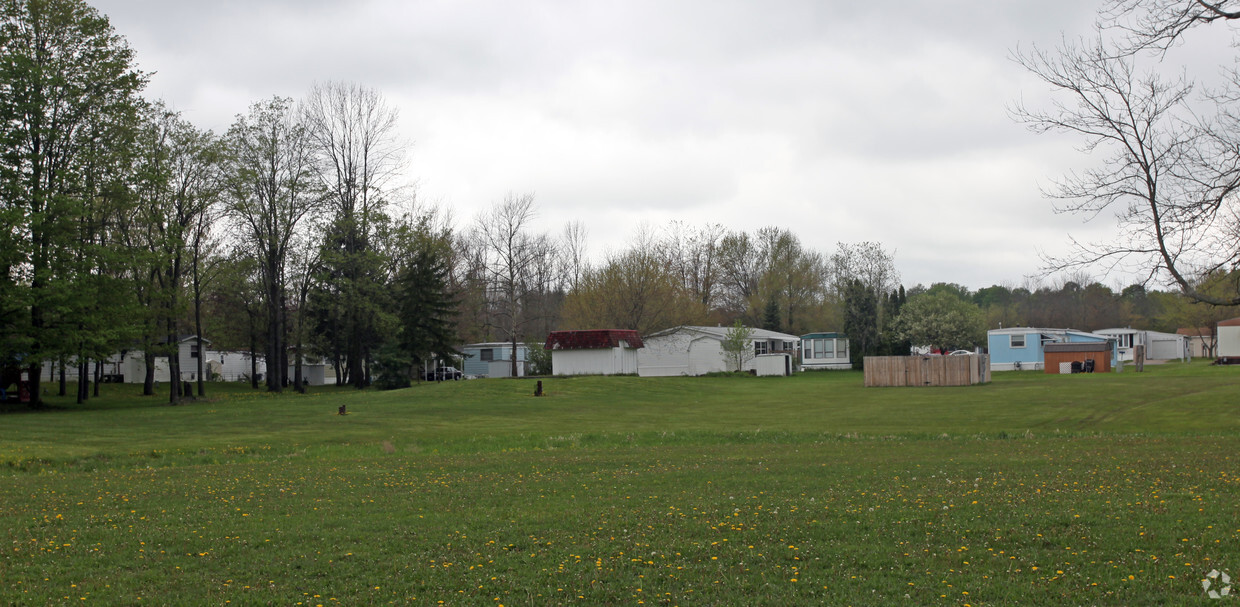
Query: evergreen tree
770,316
861,320
426,306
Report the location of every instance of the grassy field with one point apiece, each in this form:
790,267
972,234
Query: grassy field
1035,489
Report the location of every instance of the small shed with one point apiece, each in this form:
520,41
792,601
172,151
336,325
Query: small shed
1063,357
1229,340
594,352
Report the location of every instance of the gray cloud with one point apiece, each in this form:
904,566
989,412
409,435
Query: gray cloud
842,121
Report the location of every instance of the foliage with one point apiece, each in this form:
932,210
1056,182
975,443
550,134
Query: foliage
538,357
426,305
270,193
354,154
941,319
860,321
392,368
770,315
636,289
737,345
69,83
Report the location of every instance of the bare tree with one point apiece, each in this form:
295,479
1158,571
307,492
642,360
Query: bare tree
695,256
1157,24
634,289
510,254
1169,179
572,249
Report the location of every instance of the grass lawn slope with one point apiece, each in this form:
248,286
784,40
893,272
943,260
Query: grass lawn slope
1035,489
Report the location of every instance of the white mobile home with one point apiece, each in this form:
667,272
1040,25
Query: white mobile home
1229,338
1158,346
690,350
825,351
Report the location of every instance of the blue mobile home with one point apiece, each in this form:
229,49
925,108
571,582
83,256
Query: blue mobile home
489,359
1021,348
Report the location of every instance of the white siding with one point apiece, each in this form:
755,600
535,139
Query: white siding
706,356
770,364
1228,341
665,355
503,368
610,361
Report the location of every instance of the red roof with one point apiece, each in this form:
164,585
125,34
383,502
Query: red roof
1196,331
1234,322
595,339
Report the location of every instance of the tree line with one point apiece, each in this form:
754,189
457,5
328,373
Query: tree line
291,237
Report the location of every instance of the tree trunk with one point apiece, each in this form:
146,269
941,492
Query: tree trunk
83,387
202,354
64,383
36,377
98,375
148,383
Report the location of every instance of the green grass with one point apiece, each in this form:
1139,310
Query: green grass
1035,489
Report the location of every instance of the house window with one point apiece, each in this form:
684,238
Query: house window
841,348
193,351
759,348
486,354
819,347
1017,341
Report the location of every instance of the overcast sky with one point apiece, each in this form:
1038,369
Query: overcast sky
839,120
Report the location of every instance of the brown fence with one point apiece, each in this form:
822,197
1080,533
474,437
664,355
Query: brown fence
889,371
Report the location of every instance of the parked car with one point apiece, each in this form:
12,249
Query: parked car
960,352
443,374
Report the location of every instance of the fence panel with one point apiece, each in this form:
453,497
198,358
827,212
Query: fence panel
891,371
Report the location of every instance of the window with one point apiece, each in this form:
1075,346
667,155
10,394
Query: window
841,348
193,351
759,348
486,354
819,347
1017,341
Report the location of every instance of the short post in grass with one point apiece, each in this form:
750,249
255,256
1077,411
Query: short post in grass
538,389
341,411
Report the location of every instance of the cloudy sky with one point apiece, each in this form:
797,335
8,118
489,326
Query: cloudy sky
840,120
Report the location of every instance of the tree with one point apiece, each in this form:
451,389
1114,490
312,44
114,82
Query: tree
270,191
868,264
351,132
1170,172
1157,24
737,345
941,319
637,288
510,255
178,186
861,320
68,105
425,302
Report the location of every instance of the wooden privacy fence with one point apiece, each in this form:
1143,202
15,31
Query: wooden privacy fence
889,371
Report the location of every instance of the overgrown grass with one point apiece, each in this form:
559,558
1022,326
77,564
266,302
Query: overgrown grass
1036,489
